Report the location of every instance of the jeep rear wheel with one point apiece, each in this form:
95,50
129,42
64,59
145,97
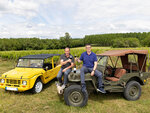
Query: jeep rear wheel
132,91
74,97
38,86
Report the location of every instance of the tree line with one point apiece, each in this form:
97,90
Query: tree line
119,39
113,40
39,44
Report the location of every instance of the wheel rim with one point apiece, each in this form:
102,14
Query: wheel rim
133,91
75,98
38,87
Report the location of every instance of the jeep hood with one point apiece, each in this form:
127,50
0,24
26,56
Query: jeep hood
23,73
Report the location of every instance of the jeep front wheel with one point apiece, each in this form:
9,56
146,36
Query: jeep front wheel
74,97
38,86
132,90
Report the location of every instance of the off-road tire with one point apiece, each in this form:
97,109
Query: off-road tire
132,91
73,96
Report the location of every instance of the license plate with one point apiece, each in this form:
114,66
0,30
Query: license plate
11,89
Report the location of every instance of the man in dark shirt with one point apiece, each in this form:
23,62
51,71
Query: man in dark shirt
89,66
67,62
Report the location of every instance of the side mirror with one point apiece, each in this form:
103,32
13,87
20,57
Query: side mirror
46,68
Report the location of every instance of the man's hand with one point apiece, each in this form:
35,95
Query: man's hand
78,60
64,70
65,62
92,73
69,60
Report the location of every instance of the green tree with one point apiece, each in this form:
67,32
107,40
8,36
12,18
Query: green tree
66,40
146,41
126,42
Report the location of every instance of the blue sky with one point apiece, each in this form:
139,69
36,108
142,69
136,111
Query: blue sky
52,18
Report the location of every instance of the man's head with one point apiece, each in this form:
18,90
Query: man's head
67,51
88,47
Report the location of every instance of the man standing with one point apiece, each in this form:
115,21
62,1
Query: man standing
89,66
67,62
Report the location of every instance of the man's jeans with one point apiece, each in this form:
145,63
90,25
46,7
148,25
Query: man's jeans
97,73
66,73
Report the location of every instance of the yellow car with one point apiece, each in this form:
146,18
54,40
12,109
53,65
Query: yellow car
31,72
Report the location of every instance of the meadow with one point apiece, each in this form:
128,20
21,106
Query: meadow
49,102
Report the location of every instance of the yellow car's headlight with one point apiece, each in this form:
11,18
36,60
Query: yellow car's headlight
24,82
2,80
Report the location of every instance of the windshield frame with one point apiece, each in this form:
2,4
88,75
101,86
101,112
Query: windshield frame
29,59
100,59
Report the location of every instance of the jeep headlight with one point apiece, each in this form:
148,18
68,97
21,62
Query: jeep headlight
2,80
24,82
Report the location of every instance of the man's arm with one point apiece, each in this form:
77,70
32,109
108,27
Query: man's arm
64,62
72,64
94,68
78,60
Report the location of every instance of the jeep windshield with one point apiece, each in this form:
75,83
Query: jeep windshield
101,60
30,63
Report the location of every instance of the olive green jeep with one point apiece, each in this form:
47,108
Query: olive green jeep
123,71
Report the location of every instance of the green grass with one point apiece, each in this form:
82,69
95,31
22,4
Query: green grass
49,102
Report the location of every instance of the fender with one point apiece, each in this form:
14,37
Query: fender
34,78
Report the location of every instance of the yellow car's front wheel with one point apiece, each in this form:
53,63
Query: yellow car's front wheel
38,86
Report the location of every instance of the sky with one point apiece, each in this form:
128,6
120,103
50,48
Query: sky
52,18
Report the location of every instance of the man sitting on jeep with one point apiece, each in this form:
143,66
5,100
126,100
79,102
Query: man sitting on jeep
67,62
89,66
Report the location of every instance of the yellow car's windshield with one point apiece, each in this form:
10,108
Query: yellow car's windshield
31,63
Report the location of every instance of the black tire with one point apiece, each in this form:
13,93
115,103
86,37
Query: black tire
38,86
73,96
132,91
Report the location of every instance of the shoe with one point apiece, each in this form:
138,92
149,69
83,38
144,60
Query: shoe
83,88
63,87
101,90
58,84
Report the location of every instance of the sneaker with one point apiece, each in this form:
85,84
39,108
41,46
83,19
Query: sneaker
63,87
101,90
58,84
83,88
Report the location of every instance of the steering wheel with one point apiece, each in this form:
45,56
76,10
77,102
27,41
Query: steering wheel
109,66
109,70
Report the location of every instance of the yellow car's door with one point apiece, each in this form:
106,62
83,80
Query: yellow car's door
51,74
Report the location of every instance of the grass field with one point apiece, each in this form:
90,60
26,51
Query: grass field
48,101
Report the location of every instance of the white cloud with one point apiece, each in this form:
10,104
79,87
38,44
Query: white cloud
111,8
41,24
19,7
52,18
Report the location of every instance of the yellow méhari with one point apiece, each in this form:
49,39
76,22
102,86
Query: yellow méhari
31,72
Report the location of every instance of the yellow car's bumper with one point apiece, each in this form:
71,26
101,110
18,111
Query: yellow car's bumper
17,84
11,88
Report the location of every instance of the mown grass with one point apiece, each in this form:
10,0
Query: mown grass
49,102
